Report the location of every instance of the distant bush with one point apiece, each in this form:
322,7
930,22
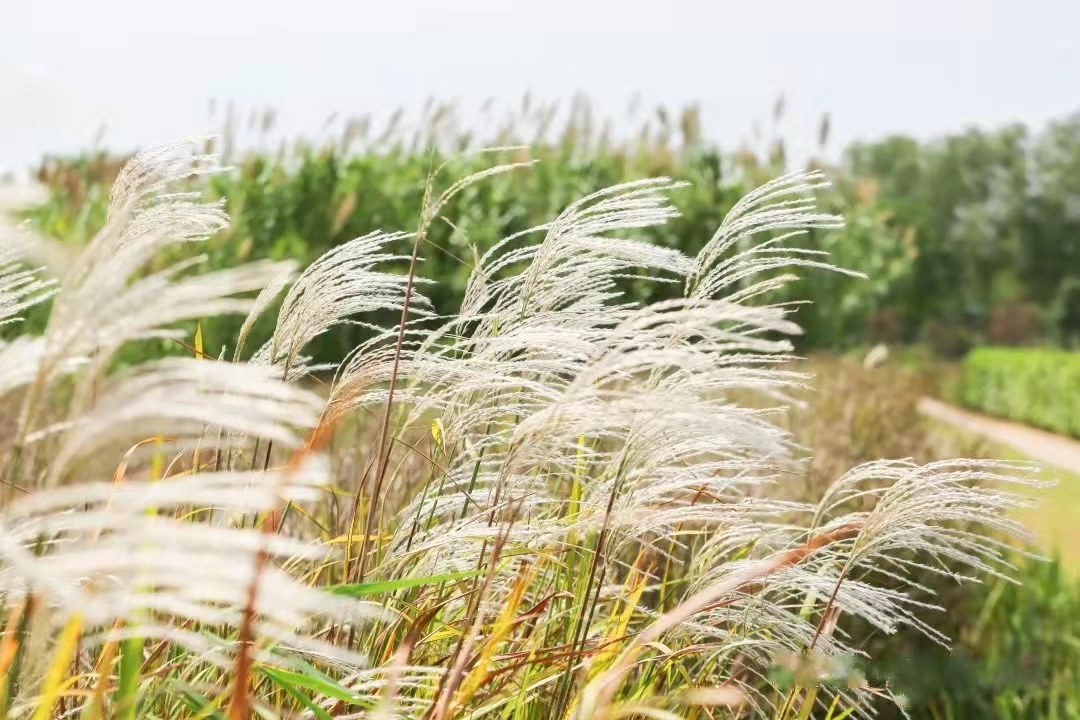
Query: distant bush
947,339
1036,386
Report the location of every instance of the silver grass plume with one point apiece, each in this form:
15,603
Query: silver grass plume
266,296
539,339
186,401
20,287
339,285
114,551
104,304
540,318
147,556
943,518
735,253
108,300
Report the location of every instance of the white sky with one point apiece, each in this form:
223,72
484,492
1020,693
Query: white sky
147,69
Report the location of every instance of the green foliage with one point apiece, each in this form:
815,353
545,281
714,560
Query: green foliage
953,233
305,200
1039,387
1017,652
963,198
993,218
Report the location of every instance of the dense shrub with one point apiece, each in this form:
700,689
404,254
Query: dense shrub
1036,386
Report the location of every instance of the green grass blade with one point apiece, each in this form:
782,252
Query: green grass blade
127,688
388,586
296,693
197,703
315,682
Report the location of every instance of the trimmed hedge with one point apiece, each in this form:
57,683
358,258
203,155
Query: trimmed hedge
1036,386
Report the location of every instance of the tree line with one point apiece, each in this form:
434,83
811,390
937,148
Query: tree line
966,239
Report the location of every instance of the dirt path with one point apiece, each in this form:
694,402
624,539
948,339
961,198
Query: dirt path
1046,447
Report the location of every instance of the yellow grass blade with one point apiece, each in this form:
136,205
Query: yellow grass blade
95,709
54,679
9,648
500,630
437,432
619,621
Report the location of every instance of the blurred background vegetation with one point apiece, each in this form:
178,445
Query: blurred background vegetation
968,239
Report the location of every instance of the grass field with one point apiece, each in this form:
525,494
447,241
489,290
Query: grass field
552,503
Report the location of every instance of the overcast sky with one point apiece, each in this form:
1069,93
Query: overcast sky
147,69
